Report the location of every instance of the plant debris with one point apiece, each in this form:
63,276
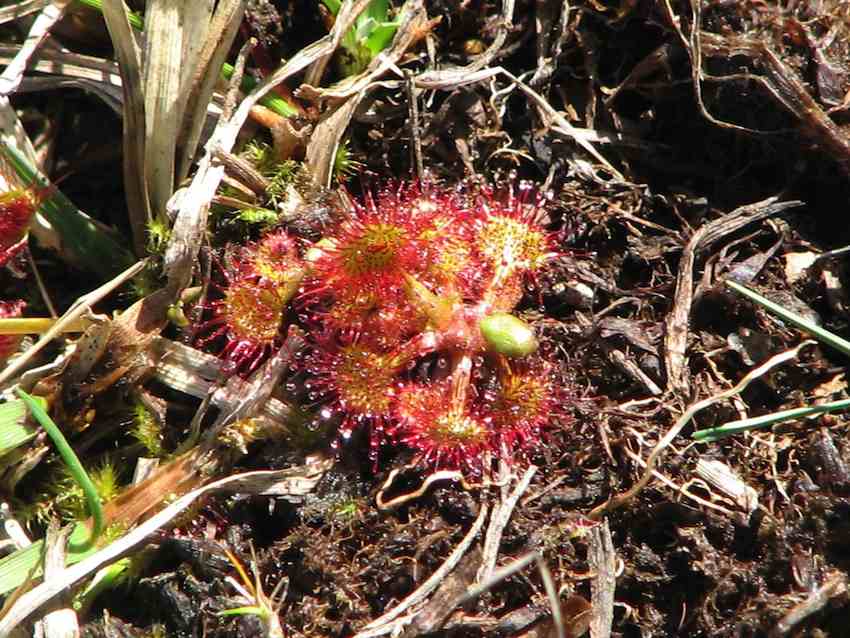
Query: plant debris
385,317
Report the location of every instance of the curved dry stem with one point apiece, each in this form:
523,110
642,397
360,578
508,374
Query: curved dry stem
621,499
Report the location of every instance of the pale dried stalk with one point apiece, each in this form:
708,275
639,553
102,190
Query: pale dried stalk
38,32
222,30
498,522
166,22
387,623
21,9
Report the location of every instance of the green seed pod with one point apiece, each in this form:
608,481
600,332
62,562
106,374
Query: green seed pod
508,335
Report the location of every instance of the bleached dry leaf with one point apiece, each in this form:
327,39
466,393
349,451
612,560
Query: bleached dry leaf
95,75
796,265
127,52
195,26
67,64
39,30
165,99
722,477
218,39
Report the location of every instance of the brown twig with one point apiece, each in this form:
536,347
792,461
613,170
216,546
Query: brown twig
621,499
413,122
676,323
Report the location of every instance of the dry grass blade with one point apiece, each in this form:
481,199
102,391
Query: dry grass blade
325,140
39,30
166,29
60,621
194,36
26,604
498,522
193,204
217,41
250,400
68,64
127,52
91,74
20,9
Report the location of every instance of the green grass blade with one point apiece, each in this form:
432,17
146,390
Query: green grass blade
824,336
14,431
742,425
74,467
332,5
89,246
242,611
273,102
26,563
136,21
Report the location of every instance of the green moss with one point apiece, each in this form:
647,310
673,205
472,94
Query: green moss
279,173
68,497
146,282
158,233
147,430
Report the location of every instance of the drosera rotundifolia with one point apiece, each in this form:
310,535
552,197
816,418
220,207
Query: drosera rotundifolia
409,306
